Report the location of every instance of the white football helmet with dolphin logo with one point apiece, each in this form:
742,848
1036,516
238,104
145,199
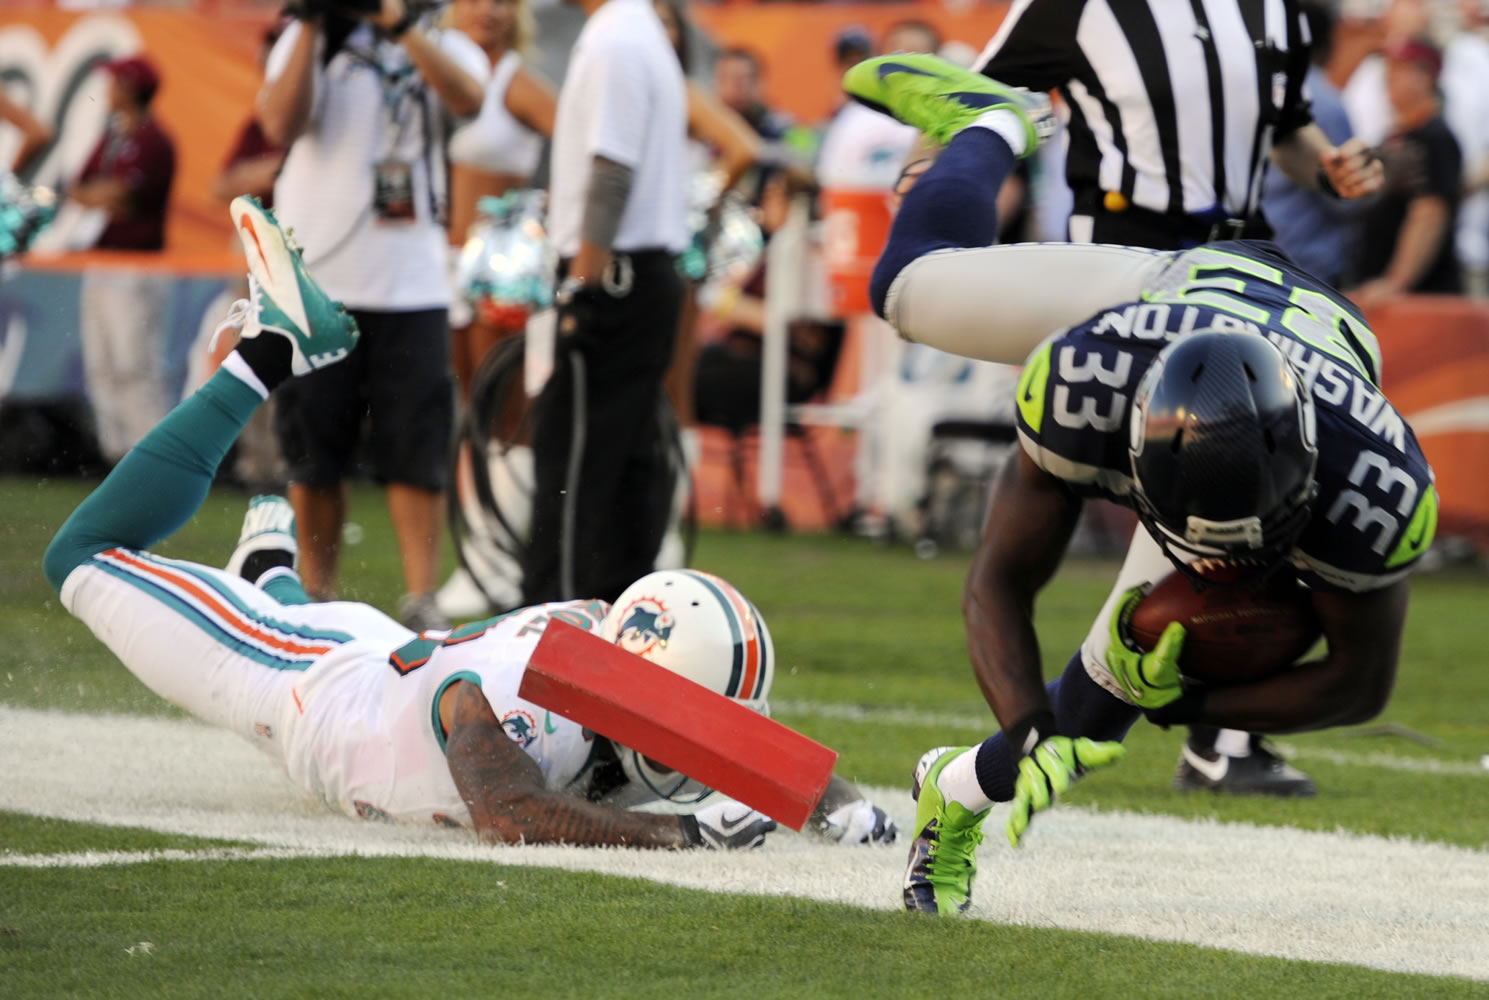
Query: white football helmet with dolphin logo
697,625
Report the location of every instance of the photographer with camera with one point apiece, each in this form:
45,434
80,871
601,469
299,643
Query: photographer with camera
359,91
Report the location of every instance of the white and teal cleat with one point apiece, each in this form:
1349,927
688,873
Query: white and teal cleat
269,526
283,298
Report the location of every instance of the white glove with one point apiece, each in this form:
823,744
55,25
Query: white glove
728,826
859,822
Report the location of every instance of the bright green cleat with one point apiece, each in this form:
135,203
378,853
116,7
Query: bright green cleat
283,298
941,98
943,856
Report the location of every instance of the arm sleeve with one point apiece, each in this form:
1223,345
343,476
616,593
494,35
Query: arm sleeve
1035,45
605,203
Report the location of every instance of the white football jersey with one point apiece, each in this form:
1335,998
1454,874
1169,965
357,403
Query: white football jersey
366,733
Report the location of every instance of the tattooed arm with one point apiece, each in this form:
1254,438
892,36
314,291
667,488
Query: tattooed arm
504,790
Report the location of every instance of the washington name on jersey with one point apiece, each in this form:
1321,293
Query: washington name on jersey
365,731
1375,511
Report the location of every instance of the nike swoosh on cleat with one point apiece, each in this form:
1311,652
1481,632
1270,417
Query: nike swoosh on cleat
245,221
1215,770
887,68
974,99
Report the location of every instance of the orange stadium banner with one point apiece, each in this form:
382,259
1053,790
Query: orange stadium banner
207,54
209,77
1435,363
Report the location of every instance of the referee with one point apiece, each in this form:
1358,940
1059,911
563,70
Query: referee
617,218
1174,109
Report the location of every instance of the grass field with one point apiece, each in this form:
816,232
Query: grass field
872,662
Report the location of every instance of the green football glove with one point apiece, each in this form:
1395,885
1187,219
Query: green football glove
1049,771
1151,680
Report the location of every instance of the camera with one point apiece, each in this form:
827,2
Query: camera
353,8
325,8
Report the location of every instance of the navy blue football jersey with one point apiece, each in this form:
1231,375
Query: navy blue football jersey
1376,508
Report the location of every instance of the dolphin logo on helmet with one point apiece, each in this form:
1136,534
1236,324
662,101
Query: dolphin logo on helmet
645,624
700,627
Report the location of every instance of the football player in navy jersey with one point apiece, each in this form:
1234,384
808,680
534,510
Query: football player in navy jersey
1227,397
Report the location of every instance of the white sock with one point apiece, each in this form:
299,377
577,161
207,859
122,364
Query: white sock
958,782
1007,124
1233,743
235,364
274,573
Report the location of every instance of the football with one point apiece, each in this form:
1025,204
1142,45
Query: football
1234,634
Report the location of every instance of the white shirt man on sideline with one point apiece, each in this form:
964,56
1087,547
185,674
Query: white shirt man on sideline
618,219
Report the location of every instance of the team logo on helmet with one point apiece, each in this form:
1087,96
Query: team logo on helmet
645,625
521,727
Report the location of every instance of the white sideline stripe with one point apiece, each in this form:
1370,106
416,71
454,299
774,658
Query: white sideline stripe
1392,904
100,859
986,723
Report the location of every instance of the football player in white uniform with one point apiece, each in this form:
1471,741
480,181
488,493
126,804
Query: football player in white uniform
376,720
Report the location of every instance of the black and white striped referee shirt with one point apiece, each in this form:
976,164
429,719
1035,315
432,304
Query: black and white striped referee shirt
1173,104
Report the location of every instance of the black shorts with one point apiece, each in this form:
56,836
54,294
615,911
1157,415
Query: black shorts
399,375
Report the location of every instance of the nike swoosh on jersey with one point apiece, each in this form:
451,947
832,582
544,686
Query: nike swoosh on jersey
1215,770
1416,543
548,726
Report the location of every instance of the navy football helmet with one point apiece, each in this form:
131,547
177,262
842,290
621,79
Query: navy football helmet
1223,446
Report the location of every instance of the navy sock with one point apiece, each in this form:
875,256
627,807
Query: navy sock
954,205
1082,708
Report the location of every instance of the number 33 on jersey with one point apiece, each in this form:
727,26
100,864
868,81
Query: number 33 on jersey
1375,511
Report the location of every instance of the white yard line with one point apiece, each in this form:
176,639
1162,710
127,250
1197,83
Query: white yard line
984,722
101,859
1390,904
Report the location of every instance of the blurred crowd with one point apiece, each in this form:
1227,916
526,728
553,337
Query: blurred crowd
466,115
